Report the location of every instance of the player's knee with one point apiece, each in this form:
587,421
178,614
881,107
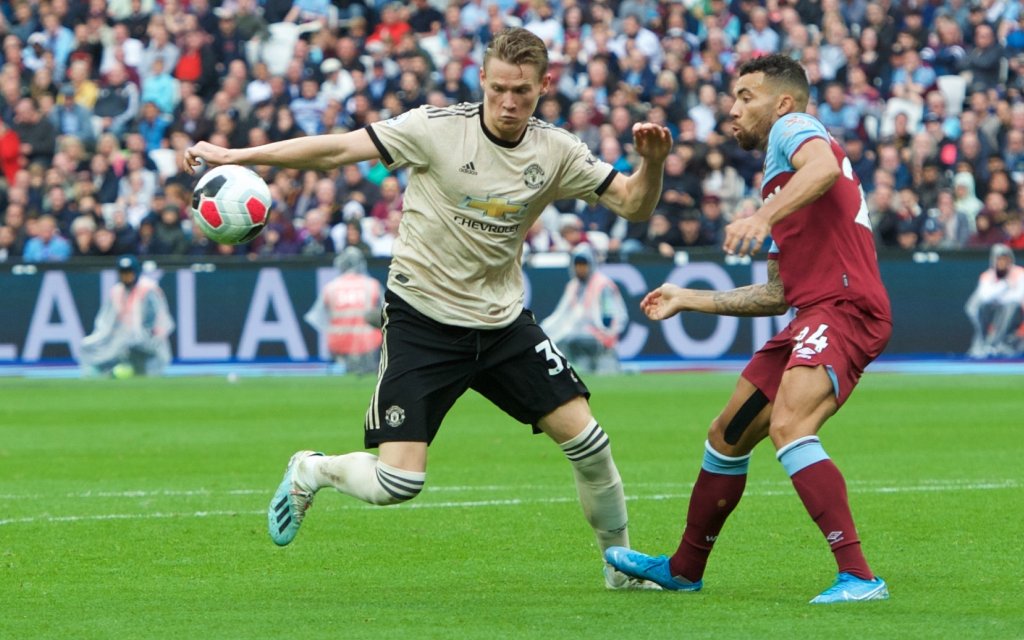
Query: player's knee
396,485
783,431
746,424
590,454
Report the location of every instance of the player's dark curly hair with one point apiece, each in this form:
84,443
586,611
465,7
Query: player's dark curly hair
781,71
518,46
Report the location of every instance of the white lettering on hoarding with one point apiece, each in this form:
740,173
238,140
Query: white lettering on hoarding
189,347
54,295
270,292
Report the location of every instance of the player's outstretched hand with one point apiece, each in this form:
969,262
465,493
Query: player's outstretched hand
663,302
745,235
652,141
204,152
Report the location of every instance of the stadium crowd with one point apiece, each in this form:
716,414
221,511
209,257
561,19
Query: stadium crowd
100,98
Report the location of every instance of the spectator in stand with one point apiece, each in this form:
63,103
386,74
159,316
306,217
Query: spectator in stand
353,184
862,162
873,60
284,127
197,64
169,238
37,134
571,233
764,39
390,198
160,87
581,124
309,107
931,183
946,46
121,49
8,251
228,44
985,59
380,235
10,152
47,245
988,230
159,47
1014,228
425,18
933,235
712,222
118,101
907,234
956,225
706,114
663,235
612,153
72,119
722,180
14,219
152,125
314,238
681,187
840,118
83,233
637,76
692,231
964,195
63,209
890,162
912,78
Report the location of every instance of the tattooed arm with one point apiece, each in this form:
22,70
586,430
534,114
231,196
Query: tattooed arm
755,300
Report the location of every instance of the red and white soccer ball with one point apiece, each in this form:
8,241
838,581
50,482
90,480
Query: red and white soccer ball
230,204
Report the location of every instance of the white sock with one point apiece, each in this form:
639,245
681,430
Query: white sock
361,475
599,486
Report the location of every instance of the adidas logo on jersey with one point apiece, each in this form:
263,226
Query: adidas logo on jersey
469,168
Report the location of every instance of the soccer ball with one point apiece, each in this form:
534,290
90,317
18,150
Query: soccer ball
230,204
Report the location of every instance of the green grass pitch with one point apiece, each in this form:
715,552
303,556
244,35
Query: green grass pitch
136,509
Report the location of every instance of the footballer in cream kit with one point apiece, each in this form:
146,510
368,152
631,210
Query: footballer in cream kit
470,201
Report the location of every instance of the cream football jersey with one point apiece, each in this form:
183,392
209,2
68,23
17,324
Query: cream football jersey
470,200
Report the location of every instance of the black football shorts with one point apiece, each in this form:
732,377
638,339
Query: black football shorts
426,366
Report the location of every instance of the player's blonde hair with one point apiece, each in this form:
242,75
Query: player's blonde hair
518,46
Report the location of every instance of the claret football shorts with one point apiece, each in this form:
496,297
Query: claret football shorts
426,366
840,337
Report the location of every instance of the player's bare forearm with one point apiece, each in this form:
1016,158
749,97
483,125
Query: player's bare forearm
635,197
320,153
644,190
767,299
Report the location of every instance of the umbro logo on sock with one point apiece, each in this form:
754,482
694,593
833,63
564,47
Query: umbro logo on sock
469,168
834,536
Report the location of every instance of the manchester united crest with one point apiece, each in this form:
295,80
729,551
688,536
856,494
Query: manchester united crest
394,416
534,176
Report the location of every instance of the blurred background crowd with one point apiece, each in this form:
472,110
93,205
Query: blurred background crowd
100,98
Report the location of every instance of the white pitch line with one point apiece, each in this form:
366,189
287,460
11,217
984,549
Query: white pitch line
927,486
858,486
